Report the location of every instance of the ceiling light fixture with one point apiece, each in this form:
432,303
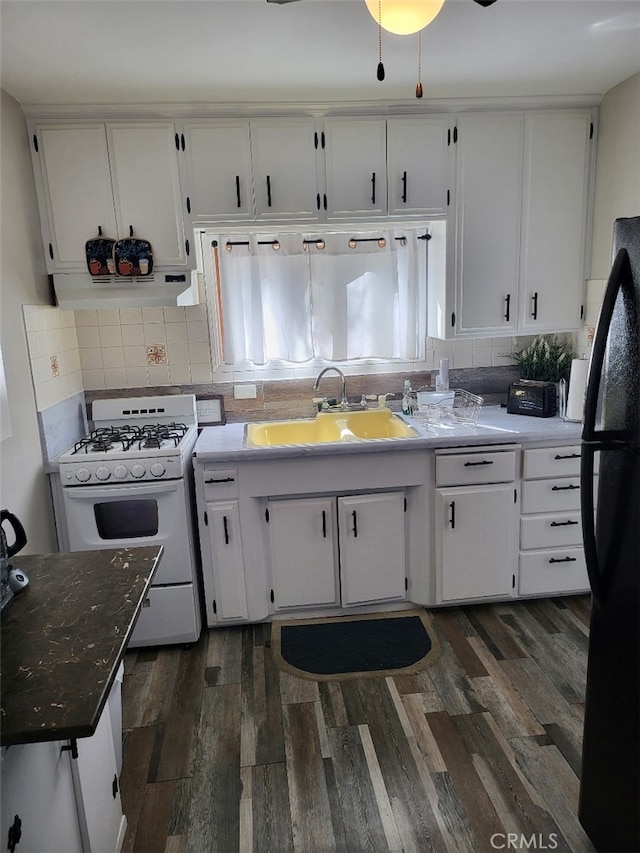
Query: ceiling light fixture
403,17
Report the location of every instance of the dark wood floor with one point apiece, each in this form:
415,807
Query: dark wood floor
224,752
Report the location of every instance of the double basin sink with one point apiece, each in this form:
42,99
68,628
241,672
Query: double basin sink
329,427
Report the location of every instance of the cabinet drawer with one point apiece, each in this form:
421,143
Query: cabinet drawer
469,469
560,529
168,615
220,483
551,495
551,462
543,572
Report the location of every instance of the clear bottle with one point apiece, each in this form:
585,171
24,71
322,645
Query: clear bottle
407,402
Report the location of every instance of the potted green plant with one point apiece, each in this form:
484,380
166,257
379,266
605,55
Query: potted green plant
545,359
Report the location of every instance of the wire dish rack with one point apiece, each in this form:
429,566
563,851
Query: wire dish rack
464,408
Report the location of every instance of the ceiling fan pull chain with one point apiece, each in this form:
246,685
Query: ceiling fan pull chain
419,83
380,73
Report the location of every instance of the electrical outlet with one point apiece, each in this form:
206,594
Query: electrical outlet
245,392
209,411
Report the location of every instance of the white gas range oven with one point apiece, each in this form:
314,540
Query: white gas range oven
128,483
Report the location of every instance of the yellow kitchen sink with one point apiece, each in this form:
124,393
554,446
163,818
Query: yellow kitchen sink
329,427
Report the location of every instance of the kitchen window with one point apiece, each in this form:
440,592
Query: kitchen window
336,297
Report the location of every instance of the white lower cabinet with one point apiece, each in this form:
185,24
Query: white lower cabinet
551,554
56,803
229,596
476,513
475,542
332,551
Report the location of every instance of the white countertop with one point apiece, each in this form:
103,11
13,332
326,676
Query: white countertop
494,426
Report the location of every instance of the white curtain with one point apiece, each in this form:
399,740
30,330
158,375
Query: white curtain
266,302
346,296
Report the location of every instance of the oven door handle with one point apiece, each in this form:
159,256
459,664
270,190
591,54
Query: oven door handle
140,489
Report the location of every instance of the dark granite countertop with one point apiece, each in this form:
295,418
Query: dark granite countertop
63,639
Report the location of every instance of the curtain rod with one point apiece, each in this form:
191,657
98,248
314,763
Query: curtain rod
320,243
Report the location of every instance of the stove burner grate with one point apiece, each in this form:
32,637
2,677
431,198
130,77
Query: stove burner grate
125,438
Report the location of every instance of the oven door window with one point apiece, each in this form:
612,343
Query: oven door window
127,519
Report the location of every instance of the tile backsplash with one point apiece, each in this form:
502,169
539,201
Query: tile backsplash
54,354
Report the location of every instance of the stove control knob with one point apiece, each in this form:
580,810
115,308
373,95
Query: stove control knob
137,471
120,472
157,469
102,472
83,474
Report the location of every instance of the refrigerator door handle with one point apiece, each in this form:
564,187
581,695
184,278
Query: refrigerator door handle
620,273
588,522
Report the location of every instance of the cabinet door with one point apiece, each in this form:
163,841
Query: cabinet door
488,203
37,787
417,165
102,823
144,171
556,164
284,169
218,171
475,542
304,553
356,171
372,552
73,182
223,525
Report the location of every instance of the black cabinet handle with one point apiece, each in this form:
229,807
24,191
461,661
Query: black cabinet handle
562,523
355,523
507,313
373,188
318,200
269,190
324,523
238,191
99,230
567,456
221,480
562,560
325,201
481,462
534,312
564,488
404,187
225,525
188,205
452,517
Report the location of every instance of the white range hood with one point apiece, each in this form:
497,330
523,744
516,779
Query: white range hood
79,290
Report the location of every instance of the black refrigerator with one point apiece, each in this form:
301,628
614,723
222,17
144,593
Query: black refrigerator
609,808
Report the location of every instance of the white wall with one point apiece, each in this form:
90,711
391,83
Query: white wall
617,188
23,486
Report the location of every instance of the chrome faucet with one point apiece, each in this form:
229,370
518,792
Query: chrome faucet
344,403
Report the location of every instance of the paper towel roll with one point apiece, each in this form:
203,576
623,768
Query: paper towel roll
442,380
577,388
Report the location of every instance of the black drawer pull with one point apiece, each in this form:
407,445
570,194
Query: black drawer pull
564,488
563,560
567,456
482,462
221,480
562,523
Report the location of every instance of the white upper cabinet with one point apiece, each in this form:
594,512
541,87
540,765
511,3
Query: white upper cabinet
355,156
146,188
554,210
522,209
94,179
487,232
218,181
284,169
73,182
418,176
